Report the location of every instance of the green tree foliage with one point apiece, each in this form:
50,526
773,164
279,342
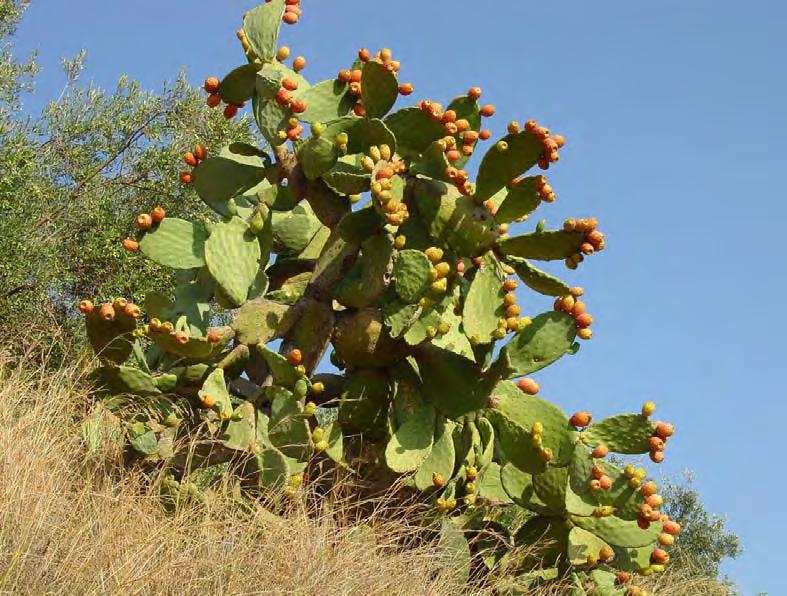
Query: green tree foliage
73,178
704,541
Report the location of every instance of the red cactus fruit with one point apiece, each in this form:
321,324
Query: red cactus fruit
488,111
230,111
656,457
190,159
213,336
290,17
528,386
289,84
294,356
298,106
474,93
581,419
200,151
158,214
659,556
185,177
364,55
406,89
359,110
584,320
211,85
622,577
283,97
213,100
643,523
485,135
656,444
606,482
600,451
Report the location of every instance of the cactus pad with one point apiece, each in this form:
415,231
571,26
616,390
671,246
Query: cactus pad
415,131
232,243
326,101
549,337
261,26
379,89
543,246
215,387
483,306
538,280
624,433
519,200
441,457
176,243
411,275
411,444
505,160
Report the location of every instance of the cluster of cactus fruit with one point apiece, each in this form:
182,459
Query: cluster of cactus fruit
409,292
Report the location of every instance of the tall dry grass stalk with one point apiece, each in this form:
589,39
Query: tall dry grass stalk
76,525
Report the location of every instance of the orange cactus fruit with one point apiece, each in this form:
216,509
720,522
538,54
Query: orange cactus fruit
656,457
130,245
106,312
474,93
298,106
158,214
211,85
290,17
600,451
671,527
485,135
289,84
406,89
185,177
664,430
299,64
488,111
656,444
606,482
181,337
584,320
581,419
200,151
214,99
86,307
528,386
208,401
213,336
190,159
144,221
294,356
132,310
282,53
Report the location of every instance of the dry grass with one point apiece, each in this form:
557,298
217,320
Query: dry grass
73,526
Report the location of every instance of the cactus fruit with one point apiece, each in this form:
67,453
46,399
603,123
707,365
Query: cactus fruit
415,295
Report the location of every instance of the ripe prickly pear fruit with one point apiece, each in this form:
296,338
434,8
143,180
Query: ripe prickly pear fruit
299,64
581,419
666,539
671,527
656,457
181,337
528,386
208,402
132,310
656,444
437,480
86,307
649,488
600,451
659,557
167,327
158,214
584,333
406,89
200,152
622,577
230,111
294,356
190,159
130,245
606,482
488,111
584,320
144,221
664,430
211,85
595,485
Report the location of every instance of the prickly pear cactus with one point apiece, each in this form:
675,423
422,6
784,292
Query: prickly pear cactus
356,237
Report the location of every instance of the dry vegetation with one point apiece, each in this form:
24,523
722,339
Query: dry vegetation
76,525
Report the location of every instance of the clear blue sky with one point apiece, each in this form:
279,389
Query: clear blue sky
674,113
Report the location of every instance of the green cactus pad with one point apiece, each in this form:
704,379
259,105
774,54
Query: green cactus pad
411,275
272,468
455,551
454,219
538,280
362,132
128,379
626,500
632,559
549,337
288,430
490,486
270,118
111,340
407,394
238,86
347,179
485,448
261,26
526,410
335,439
360,339
326,101
432,164
419,331
279,198
516,443
261,321
441,458
618,532
414,130
411,444
551,488
624,433
466,109
498,167
364,401
166,383
236,169
548,534
483,306
551,245
518,201
240,432
582,544
216,387
365,283
519,487
176,243
294,230
283,372
317,156
451,382
379,89
196,348
142,439
399,316
232,254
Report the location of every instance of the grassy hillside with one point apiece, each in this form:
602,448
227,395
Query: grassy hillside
70,524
